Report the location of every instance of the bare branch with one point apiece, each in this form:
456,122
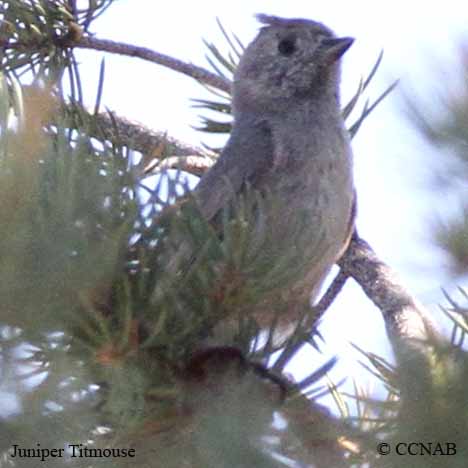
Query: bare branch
405,319
312,320
198,73
196,165
329,296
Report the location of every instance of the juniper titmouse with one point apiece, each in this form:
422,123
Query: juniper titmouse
289,138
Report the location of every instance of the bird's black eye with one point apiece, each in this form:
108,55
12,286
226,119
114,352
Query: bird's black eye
287,46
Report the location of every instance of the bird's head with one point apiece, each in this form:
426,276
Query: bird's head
289,60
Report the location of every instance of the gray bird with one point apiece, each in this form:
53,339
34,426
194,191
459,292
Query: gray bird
288,138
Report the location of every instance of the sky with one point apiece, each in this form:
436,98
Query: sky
395,202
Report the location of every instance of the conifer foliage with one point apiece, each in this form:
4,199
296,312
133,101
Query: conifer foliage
117,351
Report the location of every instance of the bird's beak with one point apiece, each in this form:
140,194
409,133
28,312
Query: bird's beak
334,48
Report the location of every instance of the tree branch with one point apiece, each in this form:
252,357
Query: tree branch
105,45
196,165
329,296
198,73
152,144
142,138
405,319
312,321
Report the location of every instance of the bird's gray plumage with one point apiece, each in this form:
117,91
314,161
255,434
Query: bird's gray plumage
288,137
248,152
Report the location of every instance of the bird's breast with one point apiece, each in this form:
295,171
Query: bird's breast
315,182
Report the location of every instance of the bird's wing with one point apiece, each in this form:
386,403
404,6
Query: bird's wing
247,155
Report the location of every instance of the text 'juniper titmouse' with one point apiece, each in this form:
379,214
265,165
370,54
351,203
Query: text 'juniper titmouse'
289,138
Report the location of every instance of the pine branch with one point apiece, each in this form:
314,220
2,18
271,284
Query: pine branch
139,137
159,150
403,317
411,332
75,38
